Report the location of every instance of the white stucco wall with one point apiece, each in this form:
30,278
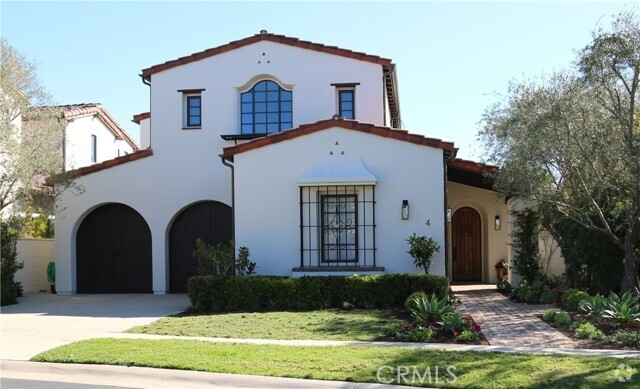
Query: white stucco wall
78,142
36,255
310,74
145,133
489,204
267,196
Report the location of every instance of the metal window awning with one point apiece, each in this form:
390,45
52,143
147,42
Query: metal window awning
337,170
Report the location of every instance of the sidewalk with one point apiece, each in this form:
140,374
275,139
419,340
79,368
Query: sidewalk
143,377
507,323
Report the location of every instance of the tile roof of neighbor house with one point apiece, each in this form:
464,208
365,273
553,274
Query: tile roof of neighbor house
140,117
264,36
353,125
477,167
389,68
71,111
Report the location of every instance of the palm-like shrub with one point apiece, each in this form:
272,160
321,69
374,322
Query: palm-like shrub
427,310
594,305
452,322
623,308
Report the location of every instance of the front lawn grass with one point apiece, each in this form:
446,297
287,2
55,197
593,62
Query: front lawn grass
364,325
351,363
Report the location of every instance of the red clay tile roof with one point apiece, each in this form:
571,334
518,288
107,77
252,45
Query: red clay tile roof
474,166
140,117
71,111
83,171
285,40
354,125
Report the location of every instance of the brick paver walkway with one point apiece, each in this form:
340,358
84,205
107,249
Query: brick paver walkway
507,323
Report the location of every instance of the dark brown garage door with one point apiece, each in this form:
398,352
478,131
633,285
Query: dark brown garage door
113,251
209,221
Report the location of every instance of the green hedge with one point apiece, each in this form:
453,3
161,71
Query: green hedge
214,293
9,294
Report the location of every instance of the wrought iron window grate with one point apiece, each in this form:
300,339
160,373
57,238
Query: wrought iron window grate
337,226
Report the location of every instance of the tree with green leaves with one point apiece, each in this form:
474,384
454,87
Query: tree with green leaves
570,142
31,132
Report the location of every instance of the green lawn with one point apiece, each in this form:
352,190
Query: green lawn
357,364
318,325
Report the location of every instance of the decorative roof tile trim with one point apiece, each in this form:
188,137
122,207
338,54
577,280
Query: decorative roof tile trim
474,166
83,171
266,37
310,128
140,117
72,111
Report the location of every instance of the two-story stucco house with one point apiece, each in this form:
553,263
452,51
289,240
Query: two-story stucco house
293,149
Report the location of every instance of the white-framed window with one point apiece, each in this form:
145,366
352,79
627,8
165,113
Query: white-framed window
94,148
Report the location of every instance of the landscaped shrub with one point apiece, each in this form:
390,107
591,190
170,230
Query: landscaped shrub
588,331
468,336
9,293
623,308
562,319
594,305
624,338
571,298
422,250
452,322
524,241
543,290
9,264
218,293
427,310
549,315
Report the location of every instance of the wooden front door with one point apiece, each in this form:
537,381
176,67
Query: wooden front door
466,245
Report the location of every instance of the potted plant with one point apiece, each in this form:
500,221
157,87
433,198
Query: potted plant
422,249
501,269
51,276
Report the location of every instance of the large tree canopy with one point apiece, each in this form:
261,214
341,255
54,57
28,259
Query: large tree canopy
31,133
571,141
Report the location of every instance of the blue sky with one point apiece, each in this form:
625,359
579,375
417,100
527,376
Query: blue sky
452,57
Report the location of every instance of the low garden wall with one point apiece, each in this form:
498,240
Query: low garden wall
36,255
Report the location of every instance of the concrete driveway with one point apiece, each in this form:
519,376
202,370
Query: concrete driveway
42,321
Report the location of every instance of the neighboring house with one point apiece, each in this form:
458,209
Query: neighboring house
92,135
292,148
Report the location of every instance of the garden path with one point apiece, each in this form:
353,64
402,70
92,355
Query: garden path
507,323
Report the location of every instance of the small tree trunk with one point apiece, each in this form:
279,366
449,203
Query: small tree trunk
630,281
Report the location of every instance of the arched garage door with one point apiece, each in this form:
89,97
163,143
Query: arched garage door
209,221
113,251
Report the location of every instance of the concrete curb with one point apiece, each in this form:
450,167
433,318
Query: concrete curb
144,377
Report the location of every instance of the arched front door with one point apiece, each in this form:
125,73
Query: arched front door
209,221
466,245
113,251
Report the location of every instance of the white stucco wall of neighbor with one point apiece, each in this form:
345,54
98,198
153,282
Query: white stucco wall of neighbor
78,142
36,255
267,196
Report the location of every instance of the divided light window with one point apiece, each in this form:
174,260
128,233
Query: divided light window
194,111
346,103
266,108
94,148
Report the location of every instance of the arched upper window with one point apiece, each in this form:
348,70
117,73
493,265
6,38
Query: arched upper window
266,108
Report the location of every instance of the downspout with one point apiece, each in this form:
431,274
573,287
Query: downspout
147,81
226,162
446,161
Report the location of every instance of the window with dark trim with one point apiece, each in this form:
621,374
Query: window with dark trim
339,231
194,111
346,103
337,226
94,148
266,108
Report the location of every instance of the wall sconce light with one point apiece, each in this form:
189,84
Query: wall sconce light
449,214
498,222
405,209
